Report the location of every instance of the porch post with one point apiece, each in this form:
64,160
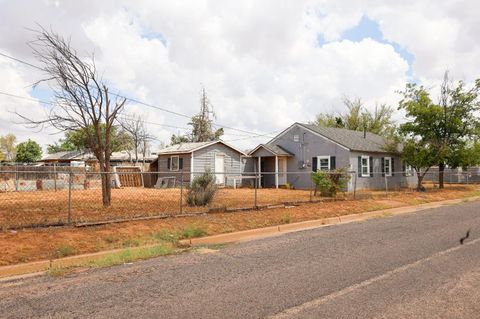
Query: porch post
259,171
276,171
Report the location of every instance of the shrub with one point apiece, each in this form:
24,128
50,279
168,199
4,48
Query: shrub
330,183
202,190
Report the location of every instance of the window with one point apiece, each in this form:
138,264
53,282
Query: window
174,163
324,163
365,166
296,138
387,166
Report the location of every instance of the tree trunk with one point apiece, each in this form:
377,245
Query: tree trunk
106,179
420,187
441,170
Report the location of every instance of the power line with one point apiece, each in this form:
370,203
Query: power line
142,103
131,118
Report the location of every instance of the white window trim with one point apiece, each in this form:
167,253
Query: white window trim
171,163
390,169
368,166
319,167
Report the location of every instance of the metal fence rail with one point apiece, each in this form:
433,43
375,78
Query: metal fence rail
32,198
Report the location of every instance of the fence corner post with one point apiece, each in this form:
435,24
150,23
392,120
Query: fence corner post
255,206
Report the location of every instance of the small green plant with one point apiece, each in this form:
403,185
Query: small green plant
64,251
202,190
330,183
132,254
193,232
288,186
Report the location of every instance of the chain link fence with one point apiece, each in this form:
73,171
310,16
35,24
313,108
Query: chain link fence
70,195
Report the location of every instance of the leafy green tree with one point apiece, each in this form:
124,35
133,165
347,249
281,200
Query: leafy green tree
420,156
79,140
359,118
7,147
28,152
446,126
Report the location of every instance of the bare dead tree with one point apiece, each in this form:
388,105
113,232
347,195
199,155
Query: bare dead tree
135,126
82,99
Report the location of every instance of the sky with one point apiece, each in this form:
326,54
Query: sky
264,64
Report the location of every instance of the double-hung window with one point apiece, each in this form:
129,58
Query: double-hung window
174,163
365,166
324,163
387,165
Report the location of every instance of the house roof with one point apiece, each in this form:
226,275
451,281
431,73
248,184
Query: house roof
353,140
69,155
185,148
272,148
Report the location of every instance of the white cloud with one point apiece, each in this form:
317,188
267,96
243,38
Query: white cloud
260,61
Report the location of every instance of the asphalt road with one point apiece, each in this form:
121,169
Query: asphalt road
410,266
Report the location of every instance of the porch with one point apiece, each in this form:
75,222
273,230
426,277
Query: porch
271,161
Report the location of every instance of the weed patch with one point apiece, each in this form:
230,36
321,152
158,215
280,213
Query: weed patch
193,232
129,255
64,251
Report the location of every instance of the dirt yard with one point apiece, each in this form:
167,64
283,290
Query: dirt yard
36,244
48,207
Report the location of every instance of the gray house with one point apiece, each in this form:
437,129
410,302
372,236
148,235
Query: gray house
183,161
293,154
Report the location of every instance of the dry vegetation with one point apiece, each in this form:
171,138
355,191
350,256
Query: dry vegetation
37,244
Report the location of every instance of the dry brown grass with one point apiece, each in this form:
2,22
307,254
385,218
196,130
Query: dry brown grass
41,207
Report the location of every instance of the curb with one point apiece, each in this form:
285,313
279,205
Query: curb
271,231
16,271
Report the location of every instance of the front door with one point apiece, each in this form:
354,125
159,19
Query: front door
282,170
220,168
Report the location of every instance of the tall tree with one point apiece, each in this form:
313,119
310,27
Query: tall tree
202,124
28,152
446,126
359,118
135,127
7,147
83,100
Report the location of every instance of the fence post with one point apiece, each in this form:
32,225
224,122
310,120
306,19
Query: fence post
386,185
311,190
70,181
16,177
255,197
354,185
55,176
181,192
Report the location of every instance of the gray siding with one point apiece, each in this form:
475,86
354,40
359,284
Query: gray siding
378,181
310,145
163,170
204,159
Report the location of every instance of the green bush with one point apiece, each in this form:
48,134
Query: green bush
330,183
202,190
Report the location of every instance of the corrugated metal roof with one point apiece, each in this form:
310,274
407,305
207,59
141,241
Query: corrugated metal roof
183,147
193,146
353,140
